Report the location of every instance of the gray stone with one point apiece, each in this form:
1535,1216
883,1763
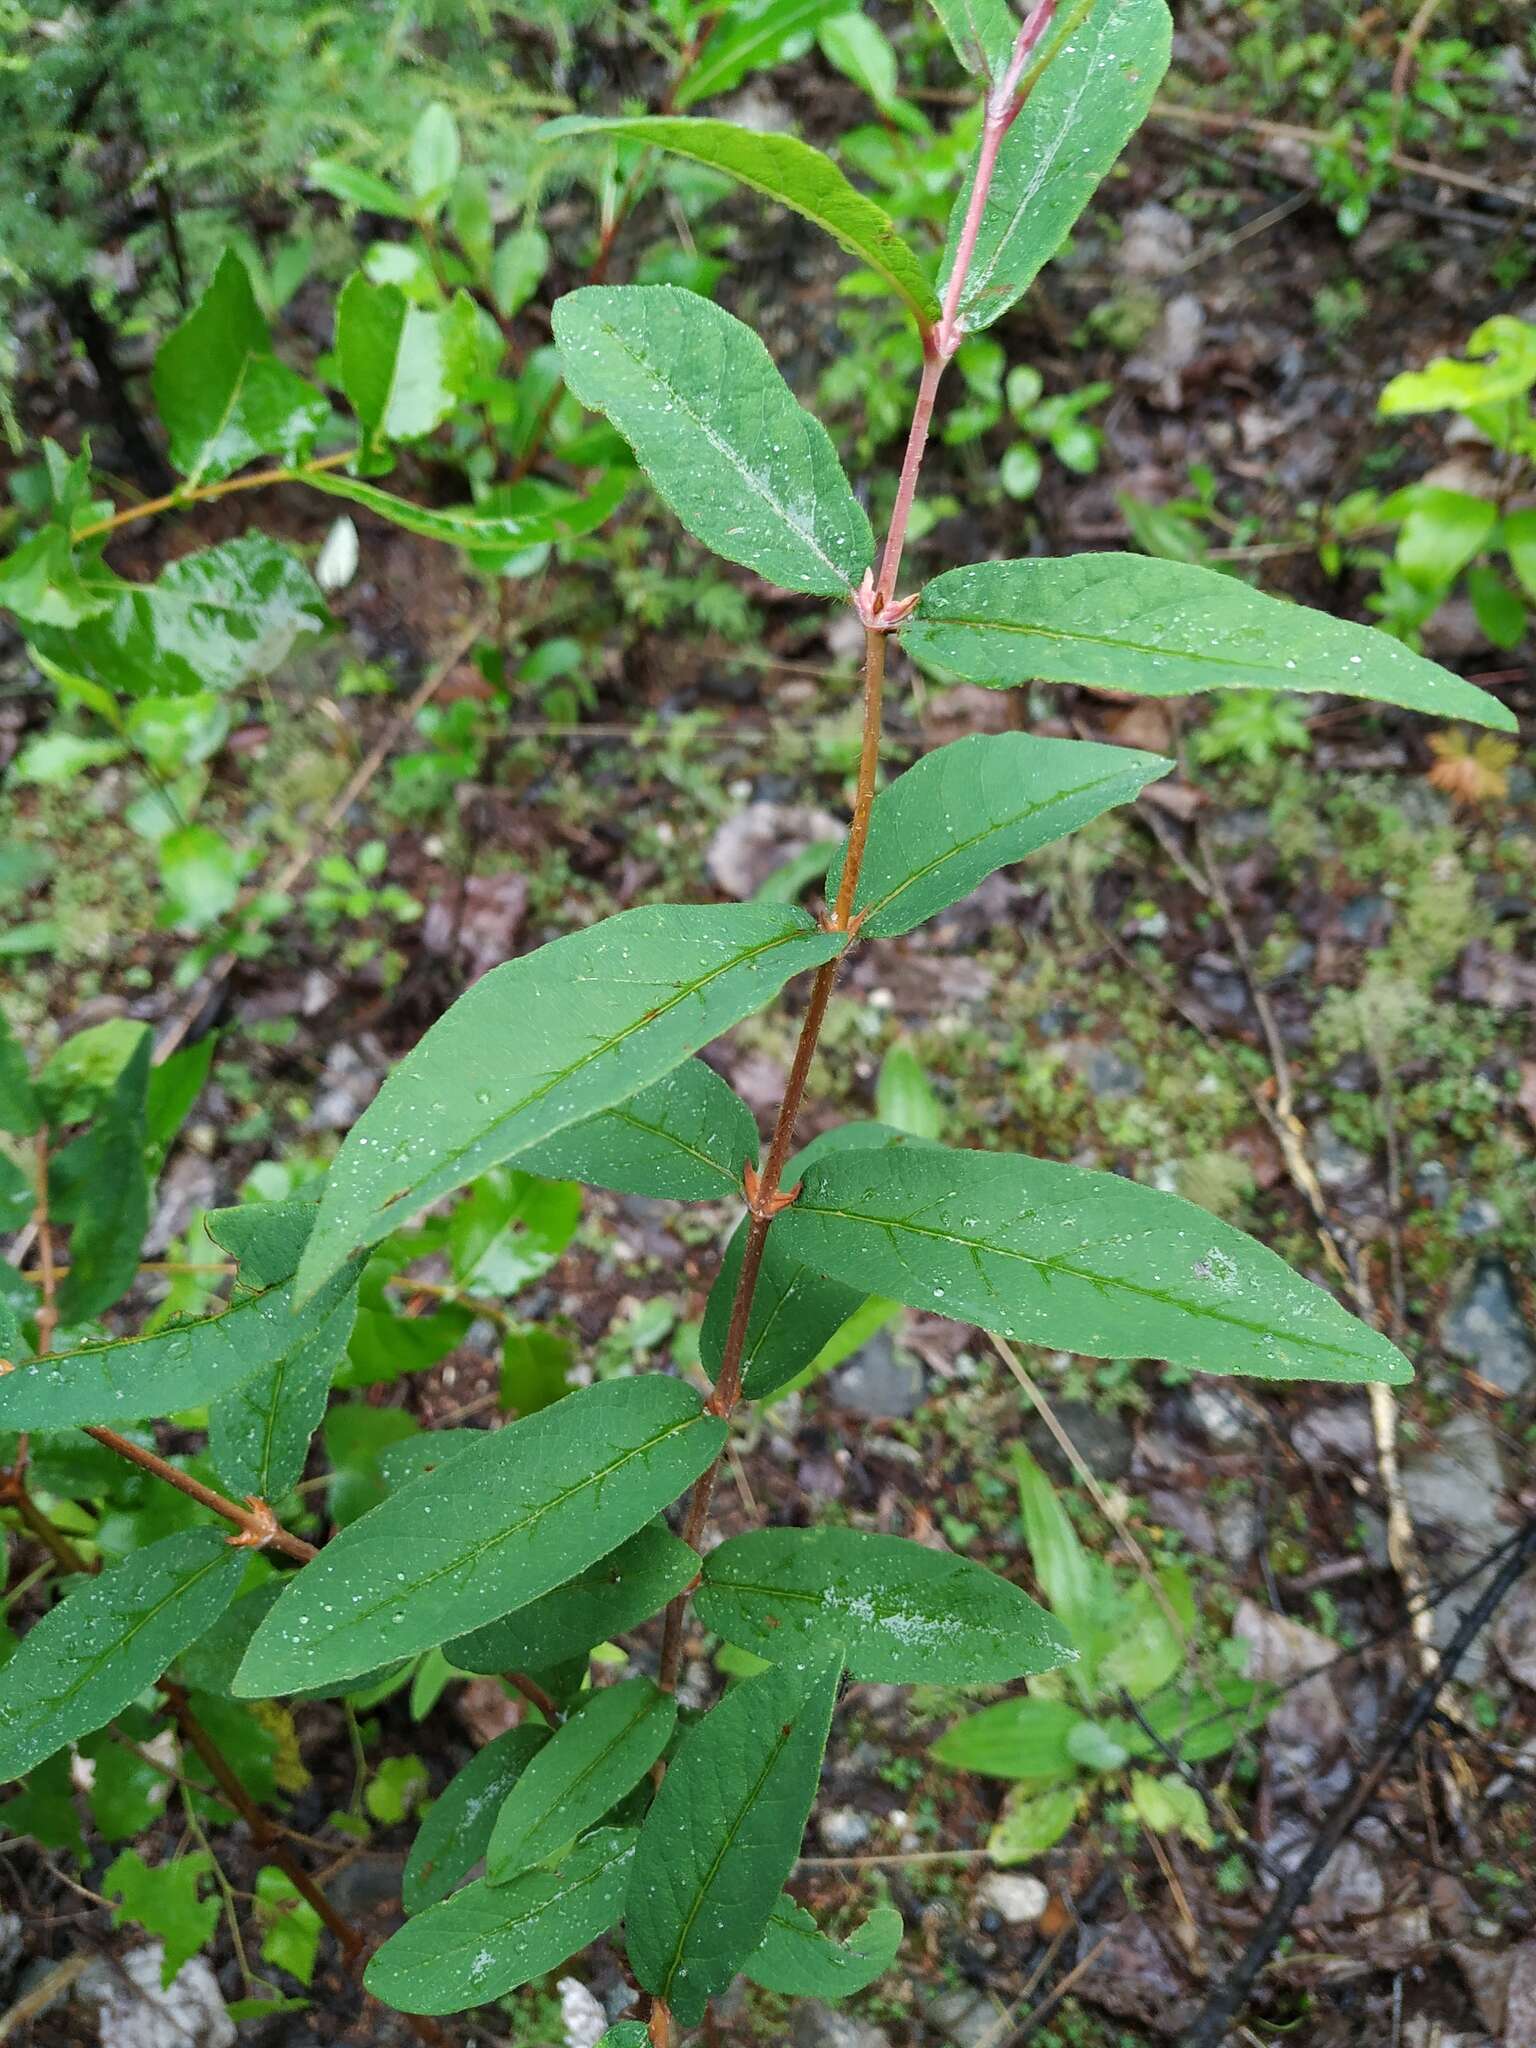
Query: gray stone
1100,1437
1514,1632
968,2018
11,1932
1478,1218
1339,1166
1105,1073
1338,1435
1485,1329
759,840
1157,241
1454,1493
879,1382
134,2012
1308,1724
1239,1532
843,1830
1019,1900
815,2025
1225,1418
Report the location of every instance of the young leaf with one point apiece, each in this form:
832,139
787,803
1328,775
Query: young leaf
113,1210
497,1525
216,619
1086,104
354,187
432,159
684,1139
795,1310
588,1764
746,38
972,807
599,1014
456,1833
982,32
798,1961
221,391
724,1830
481,530
163,1899
1071,1580
1033,1824
1164,629
746,469
114,1635
259,1432
904,1096
1025,1738
1076,1260
19,1110
403,368
904,1614
789,171
618,1592
485,1941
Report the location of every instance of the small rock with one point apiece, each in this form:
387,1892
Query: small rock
1351,1886
1239,1532
878,1382
1514,1632
1455,1490
1308,1723
1485,1329
1478,1218
11,1932
134,2012
1100,1437
584,2018
1228,1422
1432,1183
815,2025
843,1830
1168,351
1338,1435
1339,1166
1157,241
1133,1978
478,920
1105,1073
1487,1974
1520,2004
968,2018
761,839
1020,1900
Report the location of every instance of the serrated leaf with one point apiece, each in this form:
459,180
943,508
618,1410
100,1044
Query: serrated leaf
601,1752
746,38
221,391
456,1833
478,529
684,1139
798,1961
904,1614
599,1013
111,1637
259,1432
113,1211
972,807
1165,629
982,33
787,170
1085,105
500,1523
485,1941
746,469
163,1899
1076,1260
403,368
41,584
617,1593
216,619
724,1830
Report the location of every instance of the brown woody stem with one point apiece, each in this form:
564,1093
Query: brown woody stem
258,1525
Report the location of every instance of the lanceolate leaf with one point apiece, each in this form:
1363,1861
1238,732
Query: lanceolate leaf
715,427
618,1592
795,1311
489,1531
597,1015
970,808
724,1831
905,1615
112,1636
684,1139
798,1961
1164,629
1076,1260
456,1833
790,171
589,1763
259,1432
113,1212
479,530
212,620
485,1941
222,393
1088,101
747,37
982,32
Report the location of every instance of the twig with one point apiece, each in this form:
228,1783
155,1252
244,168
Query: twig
259,1527
1408,49
1057,1993
43,1993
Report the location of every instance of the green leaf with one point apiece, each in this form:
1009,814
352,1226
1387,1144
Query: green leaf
723,1833
163,1899
904,1096
42,586
500,1523
1087,102
221,391
45,1807
486,1940
20,1112
746,38
972,807
789,171
113,1213
403,368
1070,1579
1518,535
291,1927
209,1665
216,619
627,2034
617,1593
1448,384
358,188
906,1615
588,1764
717,430
982,32
517,269
259,1432
1034,1823
795,1311
1076,1260
798,1961
1165,629
1441,533
481,530
599,1014
684,1139
457,1831
432,159
99,1648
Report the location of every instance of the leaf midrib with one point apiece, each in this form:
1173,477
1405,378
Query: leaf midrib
566,1791
1025,630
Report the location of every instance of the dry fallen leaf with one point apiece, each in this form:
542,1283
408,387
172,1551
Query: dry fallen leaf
1471,774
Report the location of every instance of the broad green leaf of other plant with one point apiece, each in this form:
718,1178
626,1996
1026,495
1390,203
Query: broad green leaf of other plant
1087,102
684,1139
215,620
785,169
601,1752
485,1533
1166,629
485,1941
483,530
905,1615
746,469
1449,384
982,32
967,809
403,367
546,1041
1076,1260
618,1592
457,1830
627,2034
221,391
798,1961
109,1639
42,586
163,1899
747,37
724,1830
